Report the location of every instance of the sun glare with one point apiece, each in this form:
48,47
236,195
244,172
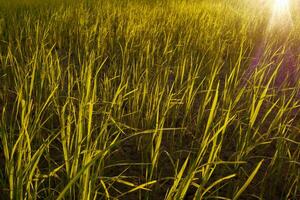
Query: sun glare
281,16
281,6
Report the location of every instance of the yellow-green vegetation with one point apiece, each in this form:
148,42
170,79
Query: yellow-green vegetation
146,100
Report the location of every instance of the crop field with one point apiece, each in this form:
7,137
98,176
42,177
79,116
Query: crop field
149,99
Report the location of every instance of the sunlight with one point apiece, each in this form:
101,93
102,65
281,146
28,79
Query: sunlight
281,7
281,16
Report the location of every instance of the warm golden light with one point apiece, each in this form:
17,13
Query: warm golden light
281,16
281,6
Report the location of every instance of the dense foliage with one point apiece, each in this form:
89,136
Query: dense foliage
147,100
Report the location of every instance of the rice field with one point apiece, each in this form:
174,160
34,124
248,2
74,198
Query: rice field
140,99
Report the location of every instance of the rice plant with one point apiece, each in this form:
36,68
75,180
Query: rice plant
141,99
